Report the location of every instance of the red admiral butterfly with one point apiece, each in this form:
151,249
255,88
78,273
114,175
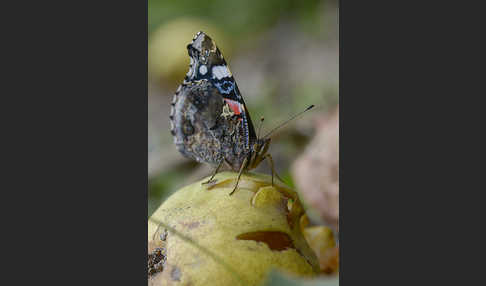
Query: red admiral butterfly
209,119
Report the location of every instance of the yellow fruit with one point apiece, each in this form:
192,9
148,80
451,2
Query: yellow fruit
203,236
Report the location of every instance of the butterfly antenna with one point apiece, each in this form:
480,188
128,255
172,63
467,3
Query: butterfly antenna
287,121
260,127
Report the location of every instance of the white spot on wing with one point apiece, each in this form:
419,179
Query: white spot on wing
203,69
220,72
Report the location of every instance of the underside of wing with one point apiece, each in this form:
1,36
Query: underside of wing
205,127
208,63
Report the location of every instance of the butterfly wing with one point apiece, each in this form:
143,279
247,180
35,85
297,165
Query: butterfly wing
207,62
209,119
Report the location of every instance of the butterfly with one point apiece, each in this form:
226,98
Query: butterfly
209,119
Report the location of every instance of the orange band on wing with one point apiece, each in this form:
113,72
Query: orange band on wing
236,107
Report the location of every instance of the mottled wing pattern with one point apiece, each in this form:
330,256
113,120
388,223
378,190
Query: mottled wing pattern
207,62
209,119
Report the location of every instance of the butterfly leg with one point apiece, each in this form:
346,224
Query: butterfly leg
215,172
242,168
272,166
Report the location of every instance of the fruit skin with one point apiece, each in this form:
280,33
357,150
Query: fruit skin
214,220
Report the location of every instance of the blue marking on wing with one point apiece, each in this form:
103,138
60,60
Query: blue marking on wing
226,87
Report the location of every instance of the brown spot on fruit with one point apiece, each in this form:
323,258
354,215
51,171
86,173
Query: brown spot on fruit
276,240
156,260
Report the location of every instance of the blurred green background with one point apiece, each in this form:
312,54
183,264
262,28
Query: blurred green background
282,53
